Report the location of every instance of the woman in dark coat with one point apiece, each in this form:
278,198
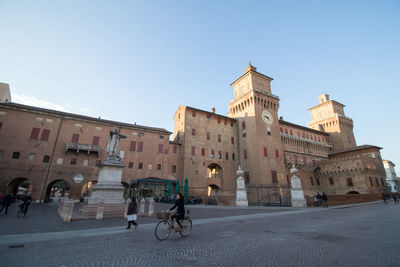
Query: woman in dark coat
180,209
132,214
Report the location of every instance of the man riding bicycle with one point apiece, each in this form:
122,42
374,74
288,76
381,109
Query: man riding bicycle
180,210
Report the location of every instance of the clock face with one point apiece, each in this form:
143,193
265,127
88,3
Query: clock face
267,117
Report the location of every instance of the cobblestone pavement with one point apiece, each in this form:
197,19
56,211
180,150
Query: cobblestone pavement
348,236
44,218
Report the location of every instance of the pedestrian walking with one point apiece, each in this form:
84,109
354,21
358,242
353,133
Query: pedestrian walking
132,214
324,200
6,203
384,197
394,198
319,199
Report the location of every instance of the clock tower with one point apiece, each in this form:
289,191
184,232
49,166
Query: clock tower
260,147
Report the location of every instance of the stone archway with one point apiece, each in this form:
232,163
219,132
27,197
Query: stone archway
213,190
18,186
56,190
353,193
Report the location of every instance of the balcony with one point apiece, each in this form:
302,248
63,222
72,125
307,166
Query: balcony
83,147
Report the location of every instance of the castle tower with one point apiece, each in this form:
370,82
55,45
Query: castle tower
328,116
5,95
256,110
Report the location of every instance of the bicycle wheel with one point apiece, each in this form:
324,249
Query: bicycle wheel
20,212
187,227
162,230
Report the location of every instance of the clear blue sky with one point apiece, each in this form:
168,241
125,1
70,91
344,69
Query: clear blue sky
136,61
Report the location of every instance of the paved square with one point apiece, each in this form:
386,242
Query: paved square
365,235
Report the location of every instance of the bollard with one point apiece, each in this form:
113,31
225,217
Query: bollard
68,210
60,208
142,206
151,207
100,211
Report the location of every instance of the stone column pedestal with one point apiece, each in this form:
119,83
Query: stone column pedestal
297,193
241,193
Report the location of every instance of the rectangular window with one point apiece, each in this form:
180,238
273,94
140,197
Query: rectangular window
225,122
233,156
265,152
286,131
158,167
96,140
203,151
75,138
15,155
212,153
370,181
45,135
208,117
73,161
193,132
46,159
193,113
330,180
219,120
287,180
132,147
246,177
276,153
161,137
274,176
226,155
317,180
280,129
173,168
140,166
140,147
382,182
219,154
243,125
295,159
219,138
350,182
35,133
232,140
245,154
291,132
130,165
174,149
376,181
98,163
160,148
312,181
208,135
193,150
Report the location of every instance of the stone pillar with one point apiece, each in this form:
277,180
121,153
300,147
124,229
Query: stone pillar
296,192
241,193
68,209
151,207
142,206
100,211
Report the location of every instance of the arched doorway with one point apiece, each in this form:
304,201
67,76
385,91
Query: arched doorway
18,187
213,190
353,193
56,190
214,171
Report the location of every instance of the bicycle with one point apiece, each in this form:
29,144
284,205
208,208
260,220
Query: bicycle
164,227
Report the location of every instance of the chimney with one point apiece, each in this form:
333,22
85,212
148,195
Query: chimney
5,95
213,110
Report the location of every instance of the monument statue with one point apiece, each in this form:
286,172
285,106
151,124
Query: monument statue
112,147
297,193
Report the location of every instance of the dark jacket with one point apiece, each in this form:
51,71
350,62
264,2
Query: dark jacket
180,207
7,200
324,197
132,208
